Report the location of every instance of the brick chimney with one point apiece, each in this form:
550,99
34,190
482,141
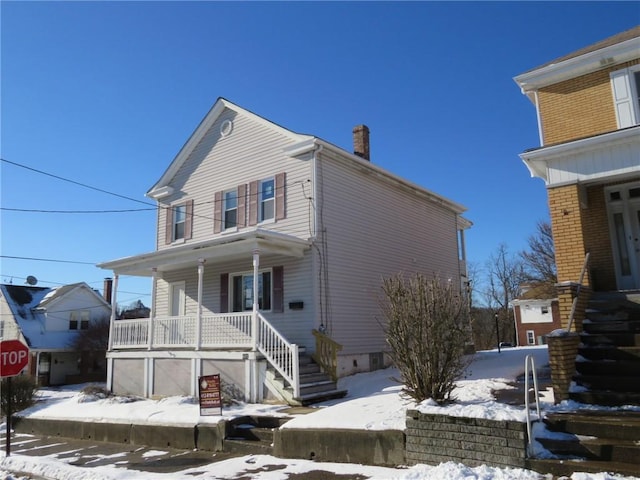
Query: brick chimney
108,285
361,141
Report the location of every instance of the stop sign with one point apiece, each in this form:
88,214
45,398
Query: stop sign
14,356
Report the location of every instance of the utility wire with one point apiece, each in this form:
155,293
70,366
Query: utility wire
28,210
48,260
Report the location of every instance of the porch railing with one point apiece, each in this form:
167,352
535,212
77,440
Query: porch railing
222,330
327,354
279,353
225,330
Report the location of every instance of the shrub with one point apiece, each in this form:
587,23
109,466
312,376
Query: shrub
427,328
23,390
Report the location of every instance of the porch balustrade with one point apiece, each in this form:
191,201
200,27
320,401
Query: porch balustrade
227,330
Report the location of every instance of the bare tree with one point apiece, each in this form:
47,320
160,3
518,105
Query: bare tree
427,327
539,260
505,274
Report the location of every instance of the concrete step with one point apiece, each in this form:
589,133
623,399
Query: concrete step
622,425
566,468
606,398
610,368
312,378
609,353
317,387
610,326
617,383
604,449
611,339
324,396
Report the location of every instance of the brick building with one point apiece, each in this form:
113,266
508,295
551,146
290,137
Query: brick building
588,109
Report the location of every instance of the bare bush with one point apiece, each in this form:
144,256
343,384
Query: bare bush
427,328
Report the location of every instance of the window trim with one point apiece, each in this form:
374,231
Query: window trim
625,90
226,210
531,337
242,275
177,209
262,201
81,319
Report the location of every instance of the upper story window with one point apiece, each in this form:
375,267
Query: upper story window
79,320
179,222
267,200
230,209
179,218
625,85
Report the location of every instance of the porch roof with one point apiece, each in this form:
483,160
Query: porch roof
234,245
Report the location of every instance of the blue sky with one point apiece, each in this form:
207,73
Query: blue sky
106,93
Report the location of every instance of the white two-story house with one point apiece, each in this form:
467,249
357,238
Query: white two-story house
271,243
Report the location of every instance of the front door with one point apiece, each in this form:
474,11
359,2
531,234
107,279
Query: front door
623,203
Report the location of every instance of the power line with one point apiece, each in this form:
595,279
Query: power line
48,260
28,210
74,182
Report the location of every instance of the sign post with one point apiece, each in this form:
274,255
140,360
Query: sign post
14,356
210,395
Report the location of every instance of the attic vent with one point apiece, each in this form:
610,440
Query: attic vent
226,128
606,61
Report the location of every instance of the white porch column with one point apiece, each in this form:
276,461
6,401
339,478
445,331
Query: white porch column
199,318
256,305
114,296
152,310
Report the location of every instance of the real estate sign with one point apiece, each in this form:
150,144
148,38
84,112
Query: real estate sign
210,395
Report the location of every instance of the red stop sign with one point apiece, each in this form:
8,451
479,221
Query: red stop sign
14,356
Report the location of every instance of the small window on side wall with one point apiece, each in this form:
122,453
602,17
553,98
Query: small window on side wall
531,337
230,209
266,210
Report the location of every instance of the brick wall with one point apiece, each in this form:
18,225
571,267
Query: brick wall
432,439
579,107
598,241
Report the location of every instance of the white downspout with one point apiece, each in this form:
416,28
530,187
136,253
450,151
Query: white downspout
538,118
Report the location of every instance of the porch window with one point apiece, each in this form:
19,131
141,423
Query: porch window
230,209
531,337
267,200
79,320
242,291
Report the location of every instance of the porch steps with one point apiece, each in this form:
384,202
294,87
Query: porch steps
608,362
591,441
315,385
251,435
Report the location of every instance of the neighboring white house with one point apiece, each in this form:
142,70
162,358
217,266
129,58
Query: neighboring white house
47,320
248,206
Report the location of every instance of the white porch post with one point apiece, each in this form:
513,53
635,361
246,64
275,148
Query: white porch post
114,295
152,311
255,386
256,305
199,319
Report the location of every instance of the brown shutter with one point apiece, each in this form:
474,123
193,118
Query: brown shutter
217,212
188,220
253,203
224,293
280,196
169,225
242,205
277,302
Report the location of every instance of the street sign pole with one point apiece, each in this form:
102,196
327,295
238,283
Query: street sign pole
9,412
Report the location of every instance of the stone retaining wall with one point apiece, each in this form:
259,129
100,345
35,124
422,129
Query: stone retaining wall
432,439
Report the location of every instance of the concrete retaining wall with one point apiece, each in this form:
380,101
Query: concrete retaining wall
202,437
432,439
370,447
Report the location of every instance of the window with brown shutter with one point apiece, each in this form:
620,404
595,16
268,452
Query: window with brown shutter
224,293
277,304
217,212
281,180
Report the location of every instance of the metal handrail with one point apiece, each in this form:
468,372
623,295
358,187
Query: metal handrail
574,304
529,360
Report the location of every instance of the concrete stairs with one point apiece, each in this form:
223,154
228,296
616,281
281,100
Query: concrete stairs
608,362
591,441
251,435
315,385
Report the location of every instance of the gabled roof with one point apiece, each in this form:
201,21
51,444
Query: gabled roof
613,50
159,189
537,291
28,305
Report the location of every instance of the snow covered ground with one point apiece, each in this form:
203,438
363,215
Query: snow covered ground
373,403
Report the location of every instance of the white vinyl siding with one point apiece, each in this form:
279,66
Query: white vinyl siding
252,152
375,229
